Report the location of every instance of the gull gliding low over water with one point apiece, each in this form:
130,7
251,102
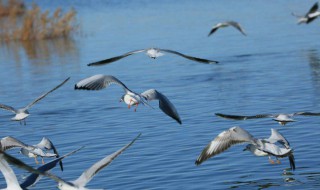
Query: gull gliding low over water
152,53
226,24
45,144
86,176
33,178
8,142
281,118
98,82
259,147
23,113
312,14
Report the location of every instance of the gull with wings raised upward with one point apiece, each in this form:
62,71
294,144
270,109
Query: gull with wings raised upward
226,24
45,144
312,14
259,147
85,177
152,53
281,118
8,142
98,82
23,113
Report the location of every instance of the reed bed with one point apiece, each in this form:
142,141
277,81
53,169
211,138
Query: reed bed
20,23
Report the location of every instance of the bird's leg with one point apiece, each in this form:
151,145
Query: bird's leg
35,159
20,122
129,104
42,160
278,161
24,121
270,160
135,109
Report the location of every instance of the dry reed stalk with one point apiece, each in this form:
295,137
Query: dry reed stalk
36,25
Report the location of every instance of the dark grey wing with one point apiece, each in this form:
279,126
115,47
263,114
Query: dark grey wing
9,108
213,30
34,178
18,163
223,141
278,137
241,117
307,114
98,82
45,143
313,9
113,59
237,26
164,104
45,94
87,175
189,57
10,142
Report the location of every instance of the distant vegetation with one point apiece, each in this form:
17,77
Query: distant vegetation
17,22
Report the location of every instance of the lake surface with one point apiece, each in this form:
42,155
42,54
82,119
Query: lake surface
274,69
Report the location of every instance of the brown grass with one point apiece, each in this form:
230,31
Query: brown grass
33,24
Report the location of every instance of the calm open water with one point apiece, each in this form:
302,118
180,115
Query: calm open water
275,69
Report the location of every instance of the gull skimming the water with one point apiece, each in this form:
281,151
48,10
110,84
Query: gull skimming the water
312,14
8,142
226,24
45,144
86,176
282,118
23,113
259,147
152,53
98,82
33,178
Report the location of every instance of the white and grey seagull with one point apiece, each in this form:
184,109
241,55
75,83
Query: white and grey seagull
152,53
131,98
10,177
281,118
45,144
312,14
8,142
33,178
23,113
85,177
226,24
259,147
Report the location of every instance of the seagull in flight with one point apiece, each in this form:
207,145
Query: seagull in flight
226,24
23,113
259,147
152,53
45,144
85,177
312,14
10,177
281,118
33,178
9,142
131,98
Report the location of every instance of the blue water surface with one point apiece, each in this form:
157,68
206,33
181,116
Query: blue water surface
274,69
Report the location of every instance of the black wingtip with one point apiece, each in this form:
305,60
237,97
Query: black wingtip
76,87
197,162
292,163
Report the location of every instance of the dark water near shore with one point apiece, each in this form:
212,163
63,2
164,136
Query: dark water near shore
275,69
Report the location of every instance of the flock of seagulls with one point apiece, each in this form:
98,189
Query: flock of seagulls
275,146
281,118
